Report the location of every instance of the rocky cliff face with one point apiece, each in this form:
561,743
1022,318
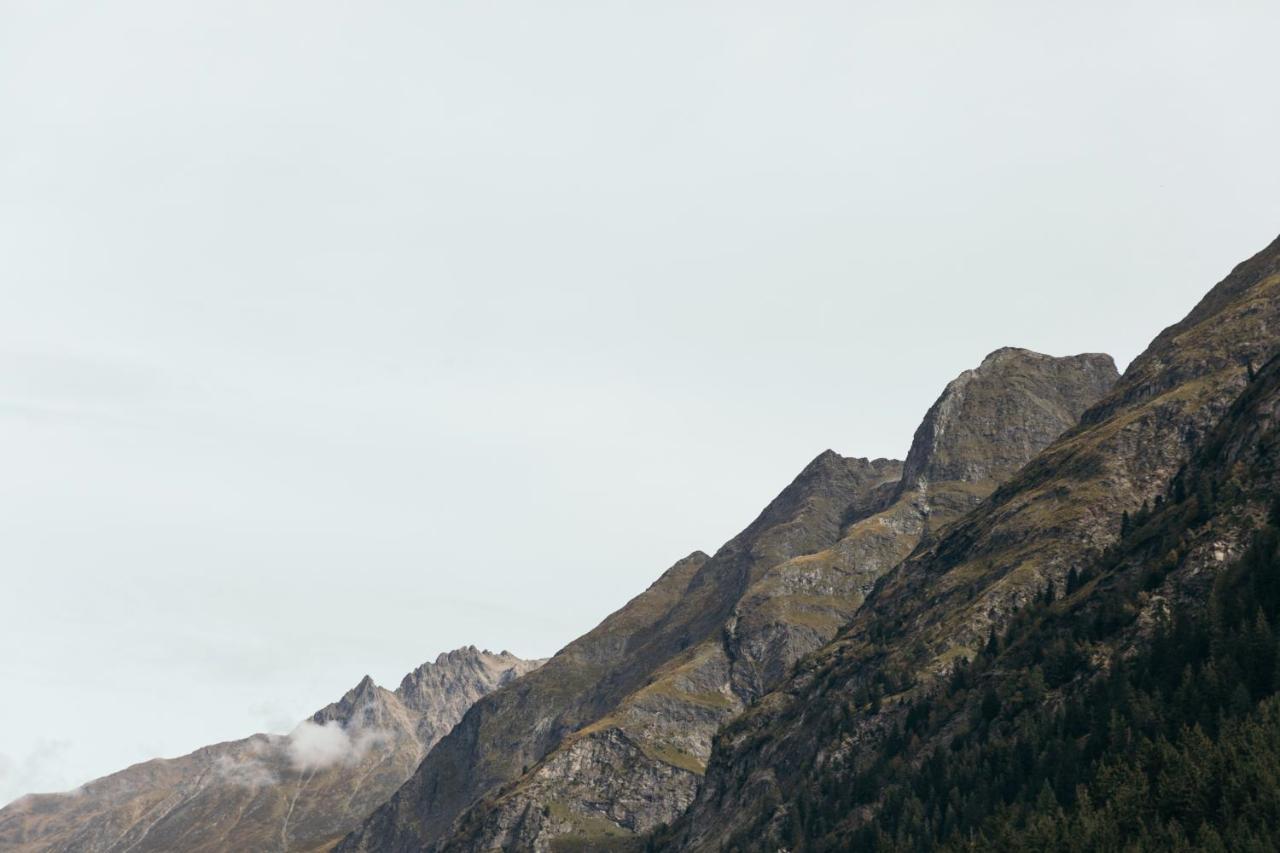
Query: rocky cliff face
937,607
992,420
296,792
611,738
987,424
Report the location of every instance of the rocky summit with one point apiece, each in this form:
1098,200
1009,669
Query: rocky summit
610,740
295,792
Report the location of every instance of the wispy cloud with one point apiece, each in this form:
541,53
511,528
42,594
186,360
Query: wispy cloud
309,748
40,770
254,768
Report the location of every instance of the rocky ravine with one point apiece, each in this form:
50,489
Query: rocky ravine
611,737
1059,512
297,792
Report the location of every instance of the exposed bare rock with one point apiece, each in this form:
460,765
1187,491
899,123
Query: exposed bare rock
987,424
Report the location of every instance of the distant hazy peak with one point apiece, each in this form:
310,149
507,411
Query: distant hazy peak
458,669
297,792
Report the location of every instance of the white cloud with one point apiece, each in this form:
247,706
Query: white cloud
308,748
313,746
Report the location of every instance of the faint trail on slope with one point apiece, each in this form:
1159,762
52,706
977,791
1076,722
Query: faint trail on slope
180,797
346,809
284,828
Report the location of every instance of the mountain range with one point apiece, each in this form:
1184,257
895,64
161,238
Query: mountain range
1052,626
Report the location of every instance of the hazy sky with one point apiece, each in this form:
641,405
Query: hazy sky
335,335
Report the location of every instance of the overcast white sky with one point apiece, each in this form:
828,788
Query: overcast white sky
335,335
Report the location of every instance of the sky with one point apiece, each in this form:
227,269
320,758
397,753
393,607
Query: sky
337,335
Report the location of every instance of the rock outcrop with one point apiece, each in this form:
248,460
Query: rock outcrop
611,738
296,792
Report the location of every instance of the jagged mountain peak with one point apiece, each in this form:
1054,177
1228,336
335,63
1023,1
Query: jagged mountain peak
825,484
470,652
1007,354
367,704
455,670
829,460
805,516
990,420
363,705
